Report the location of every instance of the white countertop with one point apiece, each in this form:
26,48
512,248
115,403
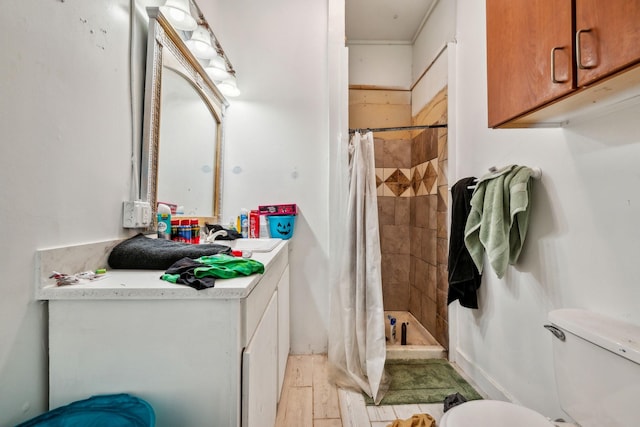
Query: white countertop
146,284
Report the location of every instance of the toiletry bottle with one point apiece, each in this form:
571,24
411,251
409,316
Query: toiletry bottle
254,224
185,230
244,222
175,225
195,231
392,330
264,230
403,334
164,222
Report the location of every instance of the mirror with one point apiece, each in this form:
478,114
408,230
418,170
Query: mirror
183,127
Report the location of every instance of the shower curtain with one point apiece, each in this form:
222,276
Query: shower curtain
357,349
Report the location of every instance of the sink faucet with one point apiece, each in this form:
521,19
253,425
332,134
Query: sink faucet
212,236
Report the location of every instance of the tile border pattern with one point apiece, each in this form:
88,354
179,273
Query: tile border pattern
419,180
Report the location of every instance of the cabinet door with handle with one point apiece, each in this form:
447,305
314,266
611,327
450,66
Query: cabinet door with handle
607,37
529,55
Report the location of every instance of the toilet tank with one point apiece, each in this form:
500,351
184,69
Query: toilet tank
597,368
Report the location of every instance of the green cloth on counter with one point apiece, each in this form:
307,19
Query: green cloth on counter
499,217
227,266
220,266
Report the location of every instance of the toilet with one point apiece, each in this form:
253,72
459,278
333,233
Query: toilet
597,370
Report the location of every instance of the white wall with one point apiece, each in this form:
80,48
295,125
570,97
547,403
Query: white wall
66,149
64,163
277,137
581,250
434,36
382,65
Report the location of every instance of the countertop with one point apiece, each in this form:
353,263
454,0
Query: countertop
146,284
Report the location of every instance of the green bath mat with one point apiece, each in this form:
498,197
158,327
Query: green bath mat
423,381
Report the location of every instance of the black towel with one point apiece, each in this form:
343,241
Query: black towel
453,400
464,277
144,253
186,268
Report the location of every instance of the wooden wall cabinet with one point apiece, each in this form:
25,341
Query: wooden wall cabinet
549,58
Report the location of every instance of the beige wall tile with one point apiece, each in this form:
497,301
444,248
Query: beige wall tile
395,239
429,246
402,211
397,153
415,301
386,210
442,225
442,251
395,296
443,280
395,268
416,242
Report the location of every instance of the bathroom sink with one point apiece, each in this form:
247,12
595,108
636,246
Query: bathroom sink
254,245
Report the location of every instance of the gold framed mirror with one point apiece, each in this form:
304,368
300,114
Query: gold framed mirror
183,132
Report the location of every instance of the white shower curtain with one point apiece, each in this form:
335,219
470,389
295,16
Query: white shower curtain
357,349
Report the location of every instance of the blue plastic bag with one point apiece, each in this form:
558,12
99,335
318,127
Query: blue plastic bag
110,410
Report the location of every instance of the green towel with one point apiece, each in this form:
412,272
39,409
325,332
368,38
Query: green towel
226,266
499,217
220,266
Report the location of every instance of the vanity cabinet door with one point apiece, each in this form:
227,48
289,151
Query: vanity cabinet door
284,340
260,371
529,55
607,37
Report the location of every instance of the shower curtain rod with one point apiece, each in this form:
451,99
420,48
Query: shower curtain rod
444,125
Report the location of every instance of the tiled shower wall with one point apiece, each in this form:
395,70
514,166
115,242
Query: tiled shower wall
412,203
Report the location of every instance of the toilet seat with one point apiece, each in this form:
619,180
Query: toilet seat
494,413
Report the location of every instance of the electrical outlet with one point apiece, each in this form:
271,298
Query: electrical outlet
136,214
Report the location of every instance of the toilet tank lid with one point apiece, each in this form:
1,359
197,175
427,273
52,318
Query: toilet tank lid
615,335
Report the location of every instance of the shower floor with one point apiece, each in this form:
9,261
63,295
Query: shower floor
420,343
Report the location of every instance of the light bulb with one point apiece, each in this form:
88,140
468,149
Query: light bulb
178,13
229,87
217,69
200,44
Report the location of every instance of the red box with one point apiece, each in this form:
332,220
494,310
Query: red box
286,209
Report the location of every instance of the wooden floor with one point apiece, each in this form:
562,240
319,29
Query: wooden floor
308,400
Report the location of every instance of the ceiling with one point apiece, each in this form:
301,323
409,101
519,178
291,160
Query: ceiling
395,21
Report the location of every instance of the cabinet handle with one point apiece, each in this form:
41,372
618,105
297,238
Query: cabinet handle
579,49
553,66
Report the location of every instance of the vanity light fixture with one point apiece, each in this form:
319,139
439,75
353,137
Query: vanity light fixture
178,12
217,69
229,86
200,44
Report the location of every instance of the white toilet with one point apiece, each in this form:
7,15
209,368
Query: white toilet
597,368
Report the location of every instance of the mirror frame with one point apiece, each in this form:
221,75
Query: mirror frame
163,36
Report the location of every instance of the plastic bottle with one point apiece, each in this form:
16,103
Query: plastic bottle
264,230
185,230
175,225
164,222
195,231
244,222
403,334
392,330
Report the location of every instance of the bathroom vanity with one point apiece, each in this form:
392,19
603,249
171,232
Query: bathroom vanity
200,358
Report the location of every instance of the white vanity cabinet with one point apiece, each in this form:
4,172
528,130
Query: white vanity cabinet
200,358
